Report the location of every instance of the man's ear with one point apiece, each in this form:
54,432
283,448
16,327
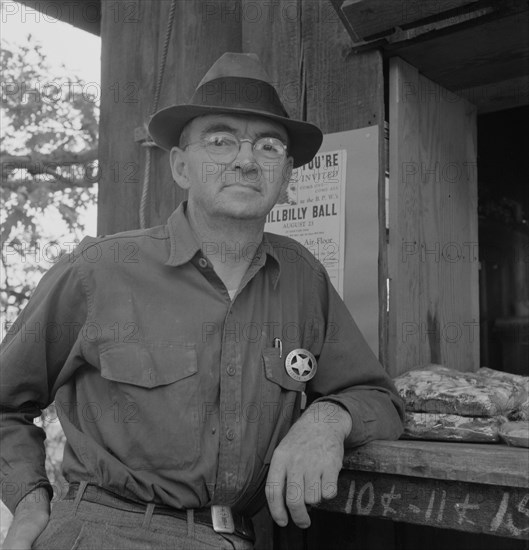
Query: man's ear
178,160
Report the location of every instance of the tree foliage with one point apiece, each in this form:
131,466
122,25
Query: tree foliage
49,170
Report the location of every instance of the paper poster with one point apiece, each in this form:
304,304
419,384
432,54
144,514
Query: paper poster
312,211
331,206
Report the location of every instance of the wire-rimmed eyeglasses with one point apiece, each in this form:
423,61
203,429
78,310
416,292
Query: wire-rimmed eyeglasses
224,147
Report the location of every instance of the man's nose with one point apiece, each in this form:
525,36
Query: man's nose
245,153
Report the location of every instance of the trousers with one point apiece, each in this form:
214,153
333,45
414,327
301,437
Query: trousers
81,525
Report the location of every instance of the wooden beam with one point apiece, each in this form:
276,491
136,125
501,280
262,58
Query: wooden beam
473,488
369,18
498,96
84,15
469,462
494,51
473,53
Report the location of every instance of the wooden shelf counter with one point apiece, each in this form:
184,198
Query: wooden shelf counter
479,488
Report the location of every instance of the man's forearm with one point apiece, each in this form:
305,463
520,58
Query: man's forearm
333,415
376,414
31,517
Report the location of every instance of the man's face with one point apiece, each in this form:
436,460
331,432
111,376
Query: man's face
245,187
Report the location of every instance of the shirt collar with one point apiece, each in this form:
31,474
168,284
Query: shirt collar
184,245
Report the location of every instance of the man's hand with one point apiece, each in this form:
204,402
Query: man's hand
306,464
31,517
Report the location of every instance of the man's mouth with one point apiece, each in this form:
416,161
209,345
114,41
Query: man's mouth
245,177
250,186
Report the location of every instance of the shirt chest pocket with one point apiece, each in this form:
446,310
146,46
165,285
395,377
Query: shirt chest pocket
161,382
148,365
275,371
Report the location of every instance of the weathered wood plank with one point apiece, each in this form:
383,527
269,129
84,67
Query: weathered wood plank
498,96
372,17
119,186
337,5
83,15
474,463
476,508
433,238
404,285
485,51
343,91
492,51
278,23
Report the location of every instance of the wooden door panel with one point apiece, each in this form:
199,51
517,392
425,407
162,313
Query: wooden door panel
433,225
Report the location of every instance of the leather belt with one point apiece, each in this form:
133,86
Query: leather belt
98,495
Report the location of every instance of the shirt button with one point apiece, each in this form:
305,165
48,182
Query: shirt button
230,370
230,434
203,263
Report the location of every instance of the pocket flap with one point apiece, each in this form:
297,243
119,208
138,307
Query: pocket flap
275,371
148,364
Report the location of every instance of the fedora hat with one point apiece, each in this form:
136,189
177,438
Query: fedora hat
237,83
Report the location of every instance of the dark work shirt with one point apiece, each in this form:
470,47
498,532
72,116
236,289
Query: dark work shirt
167,390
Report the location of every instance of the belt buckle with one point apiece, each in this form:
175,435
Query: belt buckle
222,519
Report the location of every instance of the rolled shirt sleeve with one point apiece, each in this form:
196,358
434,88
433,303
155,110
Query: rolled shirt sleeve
349,374
33,354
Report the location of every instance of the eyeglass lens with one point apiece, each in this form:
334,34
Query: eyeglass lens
223,145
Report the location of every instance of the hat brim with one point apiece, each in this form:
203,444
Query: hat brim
165,128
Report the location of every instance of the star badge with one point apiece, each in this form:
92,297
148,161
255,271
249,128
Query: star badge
301,365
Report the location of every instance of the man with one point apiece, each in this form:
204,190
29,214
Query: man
179,357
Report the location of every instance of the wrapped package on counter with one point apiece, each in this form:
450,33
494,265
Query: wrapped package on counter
439,389
515,433
522,411
452,427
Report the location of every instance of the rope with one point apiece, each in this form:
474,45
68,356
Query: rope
145,187
148,145
164,56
